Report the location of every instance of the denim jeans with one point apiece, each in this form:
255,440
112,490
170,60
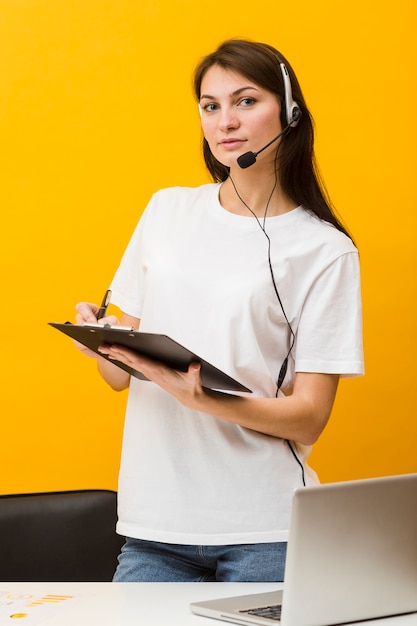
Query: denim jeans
152,561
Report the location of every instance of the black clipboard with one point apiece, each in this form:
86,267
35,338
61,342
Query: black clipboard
159,347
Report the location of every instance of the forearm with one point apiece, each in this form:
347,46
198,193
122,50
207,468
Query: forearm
271,416
299,417
117,378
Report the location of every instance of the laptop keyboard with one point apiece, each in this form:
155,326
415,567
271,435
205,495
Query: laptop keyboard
269,612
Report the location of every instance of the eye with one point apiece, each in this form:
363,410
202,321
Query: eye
247,102
210,107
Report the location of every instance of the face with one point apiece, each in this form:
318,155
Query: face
237,115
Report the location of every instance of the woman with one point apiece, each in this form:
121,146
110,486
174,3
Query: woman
254,273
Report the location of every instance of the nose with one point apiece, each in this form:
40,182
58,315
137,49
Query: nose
229,119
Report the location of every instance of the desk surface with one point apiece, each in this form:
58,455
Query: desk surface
126,604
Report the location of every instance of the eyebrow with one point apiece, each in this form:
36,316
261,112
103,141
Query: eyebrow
235,93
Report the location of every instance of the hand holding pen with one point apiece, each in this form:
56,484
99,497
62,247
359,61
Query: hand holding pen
89,313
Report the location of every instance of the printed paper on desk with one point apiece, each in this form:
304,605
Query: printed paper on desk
29,609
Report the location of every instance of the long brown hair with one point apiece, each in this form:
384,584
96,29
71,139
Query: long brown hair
298,173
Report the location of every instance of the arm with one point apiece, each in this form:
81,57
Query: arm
114,376
300,416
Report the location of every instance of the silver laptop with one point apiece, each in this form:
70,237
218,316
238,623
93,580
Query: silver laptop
352,555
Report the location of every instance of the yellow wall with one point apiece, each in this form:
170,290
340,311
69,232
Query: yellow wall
96,112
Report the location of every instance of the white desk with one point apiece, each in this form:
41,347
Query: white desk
132,604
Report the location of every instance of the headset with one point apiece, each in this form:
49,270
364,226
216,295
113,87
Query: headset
292,113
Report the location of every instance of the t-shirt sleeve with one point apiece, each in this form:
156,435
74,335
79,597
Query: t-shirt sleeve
129,280
329,335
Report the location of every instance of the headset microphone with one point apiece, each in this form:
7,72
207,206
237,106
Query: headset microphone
293,114
248,158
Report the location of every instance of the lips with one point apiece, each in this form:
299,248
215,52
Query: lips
231,143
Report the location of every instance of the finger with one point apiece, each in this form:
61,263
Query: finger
87,311
109,319
194,371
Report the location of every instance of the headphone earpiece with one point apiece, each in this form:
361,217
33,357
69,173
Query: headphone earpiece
292,110
296,115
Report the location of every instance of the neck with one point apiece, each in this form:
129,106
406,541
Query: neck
253,211
253,197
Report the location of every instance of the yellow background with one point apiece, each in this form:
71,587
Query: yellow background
97,112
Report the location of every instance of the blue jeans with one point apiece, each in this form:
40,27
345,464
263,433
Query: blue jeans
152,561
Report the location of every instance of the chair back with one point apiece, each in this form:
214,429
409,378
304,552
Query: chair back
59,536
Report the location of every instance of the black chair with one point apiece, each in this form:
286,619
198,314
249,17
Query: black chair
59,536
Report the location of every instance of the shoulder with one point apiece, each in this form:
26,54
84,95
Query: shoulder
183,195
310,245
320,235
172,206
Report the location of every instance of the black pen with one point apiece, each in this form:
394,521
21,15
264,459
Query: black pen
103,307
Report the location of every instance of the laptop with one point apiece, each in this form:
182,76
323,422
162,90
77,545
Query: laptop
352,556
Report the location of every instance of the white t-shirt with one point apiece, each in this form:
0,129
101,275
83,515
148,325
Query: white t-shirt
200,274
